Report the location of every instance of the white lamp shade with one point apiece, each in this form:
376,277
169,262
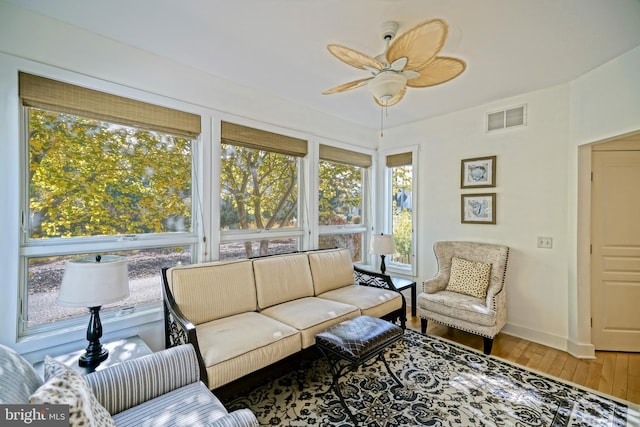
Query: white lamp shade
88,283
382,244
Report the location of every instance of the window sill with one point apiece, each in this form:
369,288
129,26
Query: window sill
116,326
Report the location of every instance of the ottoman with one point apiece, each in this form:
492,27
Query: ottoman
349,344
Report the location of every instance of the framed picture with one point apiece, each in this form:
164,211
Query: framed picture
478,173
479,208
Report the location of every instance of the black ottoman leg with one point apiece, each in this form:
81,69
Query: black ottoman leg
336,386
384,360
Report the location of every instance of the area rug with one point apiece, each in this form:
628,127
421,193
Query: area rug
445,384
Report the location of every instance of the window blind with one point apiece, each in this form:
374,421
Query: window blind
340,155
258,139
402,159
53,95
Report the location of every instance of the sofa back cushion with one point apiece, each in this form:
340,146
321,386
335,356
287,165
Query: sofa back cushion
210,291
331,269
282,278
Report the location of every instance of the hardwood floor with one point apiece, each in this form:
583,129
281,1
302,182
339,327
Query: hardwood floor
614,373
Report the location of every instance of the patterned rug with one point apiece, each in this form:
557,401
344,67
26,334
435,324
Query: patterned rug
445,384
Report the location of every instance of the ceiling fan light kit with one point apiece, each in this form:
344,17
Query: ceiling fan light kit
385,86
410,60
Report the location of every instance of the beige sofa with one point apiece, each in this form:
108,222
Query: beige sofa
244,315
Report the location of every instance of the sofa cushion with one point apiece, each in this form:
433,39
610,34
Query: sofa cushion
331,269
238,345
375,302
459,306
190,405
18,379
210,291
63,386
469,277
282,278
311,315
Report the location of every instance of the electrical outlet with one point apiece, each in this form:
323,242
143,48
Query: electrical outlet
545,242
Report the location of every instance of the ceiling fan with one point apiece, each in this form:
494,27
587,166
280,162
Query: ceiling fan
409,61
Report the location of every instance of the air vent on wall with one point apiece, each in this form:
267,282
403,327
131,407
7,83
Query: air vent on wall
508,118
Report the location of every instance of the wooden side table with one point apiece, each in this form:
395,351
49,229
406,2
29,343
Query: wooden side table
402,284
119,351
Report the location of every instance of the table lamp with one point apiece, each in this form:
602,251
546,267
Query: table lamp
382,244
93,282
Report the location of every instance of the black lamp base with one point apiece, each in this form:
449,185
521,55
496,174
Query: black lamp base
93,359
383,267
94,353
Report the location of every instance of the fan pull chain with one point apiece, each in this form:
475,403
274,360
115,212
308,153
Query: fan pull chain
384,112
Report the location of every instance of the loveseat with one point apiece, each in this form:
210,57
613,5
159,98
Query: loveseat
244,315
162,388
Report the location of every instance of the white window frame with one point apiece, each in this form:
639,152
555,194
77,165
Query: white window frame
35,248
366,218
225,236
387,215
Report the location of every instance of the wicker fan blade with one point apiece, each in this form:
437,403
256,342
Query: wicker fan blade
347,86
392,101
420,44
353,57
440,70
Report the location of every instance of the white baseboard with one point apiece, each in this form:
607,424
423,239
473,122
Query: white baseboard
582,351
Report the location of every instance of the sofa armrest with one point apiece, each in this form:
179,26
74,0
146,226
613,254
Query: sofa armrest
371,278
178,329
239,418
130,383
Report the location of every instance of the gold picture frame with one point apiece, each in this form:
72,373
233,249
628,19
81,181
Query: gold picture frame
478,208
479,172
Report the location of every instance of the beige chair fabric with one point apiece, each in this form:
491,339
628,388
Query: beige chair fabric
331,269
282,278
481,316
214,290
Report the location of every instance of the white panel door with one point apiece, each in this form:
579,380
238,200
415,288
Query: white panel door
615,259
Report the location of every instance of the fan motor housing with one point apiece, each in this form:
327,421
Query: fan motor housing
389,29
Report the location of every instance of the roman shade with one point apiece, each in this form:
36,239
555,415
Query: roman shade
402,159
53,95
340,155
258,139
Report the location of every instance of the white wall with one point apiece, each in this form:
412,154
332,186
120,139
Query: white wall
604,104
39,45
531,201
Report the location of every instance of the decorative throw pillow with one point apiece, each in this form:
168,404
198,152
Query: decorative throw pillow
66,387
469,277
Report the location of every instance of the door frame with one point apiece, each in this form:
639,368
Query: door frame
579,343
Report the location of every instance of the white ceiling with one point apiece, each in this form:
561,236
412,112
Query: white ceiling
279,46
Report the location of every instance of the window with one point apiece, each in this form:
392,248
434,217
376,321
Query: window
103,175
341,190
401,200
260,175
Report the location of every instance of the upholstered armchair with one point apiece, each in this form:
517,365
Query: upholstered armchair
468,292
